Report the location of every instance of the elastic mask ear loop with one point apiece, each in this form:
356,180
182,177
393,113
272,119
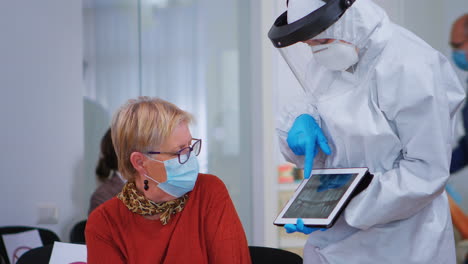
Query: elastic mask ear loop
146,187
145,182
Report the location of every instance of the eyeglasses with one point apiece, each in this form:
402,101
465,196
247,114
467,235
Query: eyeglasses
183,154
315,42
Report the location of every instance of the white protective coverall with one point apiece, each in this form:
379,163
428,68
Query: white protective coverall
395,115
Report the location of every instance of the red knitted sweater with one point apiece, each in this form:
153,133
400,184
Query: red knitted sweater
208,230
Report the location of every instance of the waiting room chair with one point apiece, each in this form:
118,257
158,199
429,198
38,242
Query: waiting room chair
266,255
47,236
77,234
40,255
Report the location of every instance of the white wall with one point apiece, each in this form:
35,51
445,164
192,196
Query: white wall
41,112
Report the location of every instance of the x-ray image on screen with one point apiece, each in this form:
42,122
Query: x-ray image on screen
320,195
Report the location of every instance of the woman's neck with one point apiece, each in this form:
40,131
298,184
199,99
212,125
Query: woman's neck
154,194
152,217
160,197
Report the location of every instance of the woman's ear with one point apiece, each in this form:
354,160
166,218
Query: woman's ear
137,159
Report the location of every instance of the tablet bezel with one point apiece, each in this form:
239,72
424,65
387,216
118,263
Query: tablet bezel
323,222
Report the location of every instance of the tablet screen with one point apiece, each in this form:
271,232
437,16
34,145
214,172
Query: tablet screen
320,195
320,199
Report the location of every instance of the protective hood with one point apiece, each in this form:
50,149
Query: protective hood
357,25
305,19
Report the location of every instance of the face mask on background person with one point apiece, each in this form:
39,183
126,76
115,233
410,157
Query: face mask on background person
459,57
336,56
181,178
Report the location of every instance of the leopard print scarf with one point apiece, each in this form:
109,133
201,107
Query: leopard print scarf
137,203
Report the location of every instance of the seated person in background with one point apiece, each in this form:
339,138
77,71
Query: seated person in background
107,173
167,212
459,43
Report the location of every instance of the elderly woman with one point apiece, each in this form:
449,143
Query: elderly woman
167,211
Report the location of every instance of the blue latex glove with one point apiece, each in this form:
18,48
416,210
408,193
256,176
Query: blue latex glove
303,138
300,227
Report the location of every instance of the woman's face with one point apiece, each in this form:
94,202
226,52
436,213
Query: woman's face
179,139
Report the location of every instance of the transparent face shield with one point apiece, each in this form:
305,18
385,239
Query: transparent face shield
312,77
299,58
289,39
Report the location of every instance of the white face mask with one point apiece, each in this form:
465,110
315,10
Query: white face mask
336,56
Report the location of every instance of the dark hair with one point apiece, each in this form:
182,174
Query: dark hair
107,159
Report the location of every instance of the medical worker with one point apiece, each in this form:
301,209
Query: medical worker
376,96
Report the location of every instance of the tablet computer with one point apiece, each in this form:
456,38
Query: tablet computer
320,199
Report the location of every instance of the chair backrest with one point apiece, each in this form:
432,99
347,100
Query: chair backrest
264,255
47,236
40,255
77,234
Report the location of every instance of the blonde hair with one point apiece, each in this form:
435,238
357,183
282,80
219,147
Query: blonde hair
142,125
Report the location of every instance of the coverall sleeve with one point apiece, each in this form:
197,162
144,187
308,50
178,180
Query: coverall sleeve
284,122
419,101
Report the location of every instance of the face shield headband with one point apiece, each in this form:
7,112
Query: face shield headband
283,34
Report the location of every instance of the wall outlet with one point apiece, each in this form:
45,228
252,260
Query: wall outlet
48,214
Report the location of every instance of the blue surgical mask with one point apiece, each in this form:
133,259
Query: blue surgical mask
181,178
459,57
